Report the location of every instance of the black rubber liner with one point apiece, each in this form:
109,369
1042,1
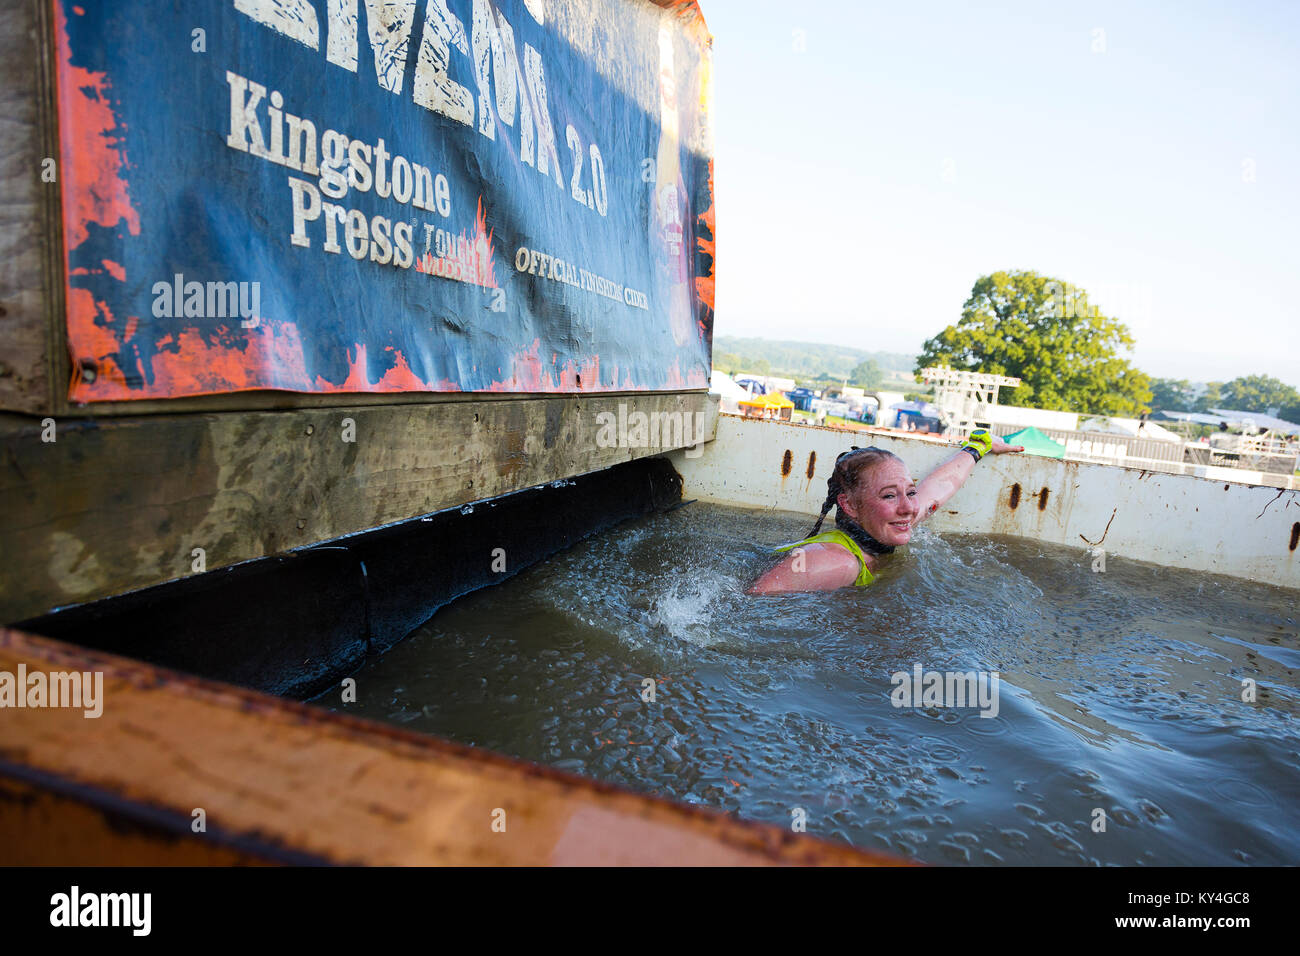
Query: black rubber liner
295,623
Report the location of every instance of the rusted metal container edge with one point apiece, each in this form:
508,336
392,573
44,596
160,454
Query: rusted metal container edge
281,782
1180,521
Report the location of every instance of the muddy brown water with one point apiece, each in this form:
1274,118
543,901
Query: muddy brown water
1125,730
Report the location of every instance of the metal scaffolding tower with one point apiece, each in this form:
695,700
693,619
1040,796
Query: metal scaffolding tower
962,396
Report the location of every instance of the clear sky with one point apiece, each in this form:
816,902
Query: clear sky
874,159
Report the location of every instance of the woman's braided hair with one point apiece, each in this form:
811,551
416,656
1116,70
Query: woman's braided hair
848,471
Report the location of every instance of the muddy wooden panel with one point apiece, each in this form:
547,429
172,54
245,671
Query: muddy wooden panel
280,780
40,824
29,235
91,508
294,624
284,401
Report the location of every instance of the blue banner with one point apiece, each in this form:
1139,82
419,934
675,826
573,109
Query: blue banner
385,195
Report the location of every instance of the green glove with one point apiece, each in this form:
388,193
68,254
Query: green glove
979,444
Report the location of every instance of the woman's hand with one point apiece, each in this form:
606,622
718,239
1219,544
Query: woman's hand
1001,448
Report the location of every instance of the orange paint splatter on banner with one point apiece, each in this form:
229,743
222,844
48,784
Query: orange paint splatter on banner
525,373
96,345
588,371
688,12
704,284
200,367
675,378
400,378
91,162
185,363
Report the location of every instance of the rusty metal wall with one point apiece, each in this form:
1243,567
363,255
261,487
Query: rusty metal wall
1175,520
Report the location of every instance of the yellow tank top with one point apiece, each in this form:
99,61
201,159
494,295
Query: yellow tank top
836,536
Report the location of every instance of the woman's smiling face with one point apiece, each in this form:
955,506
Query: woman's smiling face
884,503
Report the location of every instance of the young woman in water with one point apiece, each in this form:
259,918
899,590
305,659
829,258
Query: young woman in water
877,506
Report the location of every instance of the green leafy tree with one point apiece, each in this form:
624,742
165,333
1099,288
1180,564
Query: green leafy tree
1046,333
1212,397
1172,394
1258,393
867,375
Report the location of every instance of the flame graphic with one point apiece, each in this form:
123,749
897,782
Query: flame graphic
476,266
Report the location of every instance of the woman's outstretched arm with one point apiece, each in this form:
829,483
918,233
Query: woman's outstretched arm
942,483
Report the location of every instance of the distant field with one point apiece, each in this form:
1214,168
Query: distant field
803,360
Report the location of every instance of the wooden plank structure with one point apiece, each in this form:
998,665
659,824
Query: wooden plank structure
116,504
278,782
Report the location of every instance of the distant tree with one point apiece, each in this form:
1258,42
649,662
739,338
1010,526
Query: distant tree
867,375
1172,394
729,362
1044,332
1212,397
1258,393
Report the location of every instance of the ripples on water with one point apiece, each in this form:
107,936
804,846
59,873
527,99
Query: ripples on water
1120,691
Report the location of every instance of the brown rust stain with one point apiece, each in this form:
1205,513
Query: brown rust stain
787,462
812,464
1280,493
1015,496
1042,498
1295,535
1104,533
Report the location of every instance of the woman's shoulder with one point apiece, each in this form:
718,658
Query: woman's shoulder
812,565
832,537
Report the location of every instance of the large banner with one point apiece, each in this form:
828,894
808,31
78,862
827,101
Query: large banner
385,195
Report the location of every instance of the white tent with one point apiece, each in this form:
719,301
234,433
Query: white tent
1129,426
722,384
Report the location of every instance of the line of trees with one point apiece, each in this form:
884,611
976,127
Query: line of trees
1070,356
1067,354
1247,393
